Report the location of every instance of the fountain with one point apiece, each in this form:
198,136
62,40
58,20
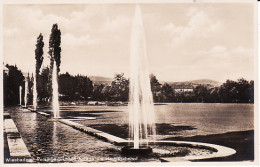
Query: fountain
34,93
25,92
20,95
141,109
55,92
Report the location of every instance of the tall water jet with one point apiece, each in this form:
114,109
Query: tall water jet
55,92
25,92
141,109
20,95
35,94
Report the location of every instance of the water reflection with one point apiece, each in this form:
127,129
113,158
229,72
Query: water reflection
50,141
54,135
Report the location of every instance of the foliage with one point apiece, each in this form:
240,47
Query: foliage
167,93
30,89
97,92
75,87
120,88
201,93
39,53
44,85
232,91
54,46
155,87
13,78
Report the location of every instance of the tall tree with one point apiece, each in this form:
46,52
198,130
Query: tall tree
39,59
54,46
39,53
30,88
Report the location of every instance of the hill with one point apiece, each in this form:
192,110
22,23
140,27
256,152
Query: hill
193,83
101,80
202,82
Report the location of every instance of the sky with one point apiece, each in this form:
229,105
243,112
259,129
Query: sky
184,41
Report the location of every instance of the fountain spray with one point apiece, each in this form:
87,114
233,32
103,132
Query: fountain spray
35,94
141,109
55,92
20,95
25,92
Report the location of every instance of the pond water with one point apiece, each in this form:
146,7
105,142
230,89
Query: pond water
50,141
206,118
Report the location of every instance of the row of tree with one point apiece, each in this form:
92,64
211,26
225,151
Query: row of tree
240,91
80,87
13,77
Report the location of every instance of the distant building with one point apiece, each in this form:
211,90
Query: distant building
98,83
184,90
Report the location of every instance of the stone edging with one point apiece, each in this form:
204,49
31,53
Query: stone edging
218,151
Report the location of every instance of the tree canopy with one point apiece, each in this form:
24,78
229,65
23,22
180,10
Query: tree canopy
54,46
39,53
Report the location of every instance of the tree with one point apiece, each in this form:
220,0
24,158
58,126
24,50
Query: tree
251,92
39,54
120,87
67,86
39,59
75,87
214,95
107,93
243,90
54,46
44,92
54,50
202,93
236,91
180,96
155,87
84,87
30,88
167,93
97,92
228,92
13,78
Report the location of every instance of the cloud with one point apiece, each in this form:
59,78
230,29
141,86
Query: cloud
91,20
232,54
69,39
119,22
218,63
226,63
11,32
200,25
